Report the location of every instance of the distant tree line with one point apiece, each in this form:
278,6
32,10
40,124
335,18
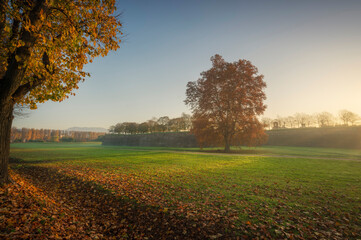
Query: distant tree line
162,124
49,135
323,119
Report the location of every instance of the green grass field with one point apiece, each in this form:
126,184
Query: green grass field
288,193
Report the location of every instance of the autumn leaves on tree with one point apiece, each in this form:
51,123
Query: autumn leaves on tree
45,45
226,101
43,49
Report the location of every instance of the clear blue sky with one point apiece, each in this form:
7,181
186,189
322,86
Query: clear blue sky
308,51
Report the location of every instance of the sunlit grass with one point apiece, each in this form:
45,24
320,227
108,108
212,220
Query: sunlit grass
210,182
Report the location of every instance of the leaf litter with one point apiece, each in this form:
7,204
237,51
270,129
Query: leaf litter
74,202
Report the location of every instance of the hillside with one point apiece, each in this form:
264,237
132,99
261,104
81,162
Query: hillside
330,137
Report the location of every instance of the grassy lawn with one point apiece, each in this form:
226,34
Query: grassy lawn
269,150
309,151
279,197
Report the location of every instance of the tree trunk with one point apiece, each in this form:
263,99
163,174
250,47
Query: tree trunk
6,119
227,147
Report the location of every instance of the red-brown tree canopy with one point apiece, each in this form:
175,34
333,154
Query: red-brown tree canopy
226,101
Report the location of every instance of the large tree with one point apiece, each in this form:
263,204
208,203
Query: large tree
226,102
44,45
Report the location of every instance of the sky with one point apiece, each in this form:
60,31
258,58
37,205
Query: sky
308,51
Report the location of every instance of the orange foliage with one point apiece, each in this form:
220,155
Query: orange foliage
205,133
45,45
26,134
226,101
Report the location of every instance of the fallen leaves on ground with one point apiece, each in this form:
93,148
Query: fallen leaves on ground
76,202
87,210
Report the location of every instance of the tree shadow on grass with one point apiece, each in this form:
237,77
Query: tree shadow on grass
238,151
54,159
20,161
116,217
16,160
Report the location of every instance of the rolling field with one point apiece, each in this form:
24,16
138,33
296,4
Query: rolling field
271,192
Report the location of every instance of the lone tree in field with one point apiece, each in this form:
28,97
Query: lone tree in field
225,102
44,45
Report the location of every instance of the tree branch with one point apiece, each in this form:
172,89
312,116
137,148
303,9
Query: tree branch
14,30
2,17
25,88
67,17
10,82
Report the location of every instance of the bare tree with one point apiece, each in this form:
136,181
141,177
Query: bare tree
21,111
301,119
348,117
310,120
290,122
187,120
324,119
266,122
